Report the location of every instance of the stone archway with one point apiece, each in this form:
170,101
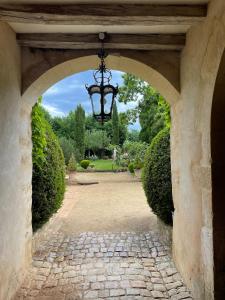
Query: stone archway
167,87
218,175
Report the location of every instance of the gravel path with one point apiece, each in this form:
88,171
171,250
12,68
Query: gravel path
102,244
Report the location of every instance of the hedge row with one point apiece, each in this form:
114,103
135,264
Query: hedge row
156,176
48,179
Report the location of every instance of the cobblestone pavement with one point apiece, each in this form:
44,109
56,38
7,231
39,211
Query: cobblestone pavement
103,266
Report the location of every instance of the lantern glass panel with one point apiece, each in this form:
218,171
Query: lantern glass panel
108,103
96,98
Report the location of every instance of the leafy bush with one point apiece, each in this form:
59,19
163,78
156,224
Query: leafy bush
156,176
48,183
135,152
138,165
67,148
85,163
72,165
96,140
131,168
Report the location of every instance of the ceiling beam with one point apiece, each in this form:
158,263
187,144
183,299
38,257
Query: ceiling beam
103,14
113,41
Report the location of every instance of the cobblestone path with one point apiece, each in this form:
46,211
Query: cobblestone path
103,266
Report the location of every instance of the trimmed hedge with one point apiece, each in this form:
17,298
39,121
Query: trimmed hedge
156,176
85,163
48,178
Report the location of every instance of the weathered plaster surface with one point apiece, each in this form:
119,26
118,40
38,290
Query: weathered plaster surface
15,169
190,144
192,236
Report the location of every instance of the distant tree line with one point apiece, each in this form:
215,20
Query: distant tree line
83,136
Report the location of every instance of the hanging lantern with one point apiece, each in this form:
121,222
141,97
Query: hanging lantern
102,93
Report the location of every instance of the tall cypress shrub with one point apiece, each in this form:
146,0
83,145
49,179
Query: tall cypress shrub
79,132
115,126
48,184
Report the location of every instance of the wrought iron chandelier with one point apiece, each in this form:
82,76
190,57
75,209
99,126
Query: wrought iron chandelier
102,93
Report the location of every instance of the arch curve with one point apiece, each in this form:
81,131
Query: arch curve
114,62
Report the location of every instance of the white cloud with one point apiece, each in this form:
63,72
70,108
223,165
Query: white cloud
122,107
54,90
54,111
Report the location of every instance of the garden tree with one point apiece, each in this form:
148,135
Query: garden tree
48,183
79,132
96,140
123,125
123,129
92,124
67,146
115,125
61,127
133,135
151,109
72,165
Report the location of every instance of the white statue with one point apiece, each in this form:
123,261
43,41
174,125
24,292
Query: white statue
114,154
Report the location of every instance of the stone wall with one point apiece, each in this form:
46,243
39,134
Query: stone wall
190,144
15,169
191,153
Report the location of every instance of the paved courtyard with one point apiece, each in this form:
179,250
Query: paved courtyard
69,264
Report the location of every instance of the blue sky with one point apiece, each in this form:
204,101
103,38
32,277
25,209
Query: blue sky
66,94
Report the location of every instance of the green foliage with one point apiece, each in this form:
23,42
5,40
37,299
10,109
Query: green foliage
38,134
131,168
133,136
67,148
85,163
115,125
79,132
72,165
151,109
156,176
135,152
48,184
92,124
108,128
96,140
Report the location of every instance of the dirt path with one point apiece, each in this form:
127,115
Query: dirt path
117,203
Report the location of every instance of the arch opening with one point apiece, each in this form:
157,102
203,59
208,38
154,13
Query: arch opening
120,63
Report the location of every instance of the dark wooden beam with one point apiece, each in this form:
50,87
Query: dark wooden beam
113,41
103,14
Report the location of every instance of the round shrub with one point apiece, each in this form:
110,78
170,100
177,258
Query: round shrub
156,176
48,178
85,164
131,168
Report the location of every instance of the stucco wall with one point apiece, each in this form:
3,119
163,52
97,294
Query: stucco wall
15,169
191,153
192,235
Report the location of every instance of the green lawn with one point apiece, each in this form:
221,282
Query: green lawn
101,165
